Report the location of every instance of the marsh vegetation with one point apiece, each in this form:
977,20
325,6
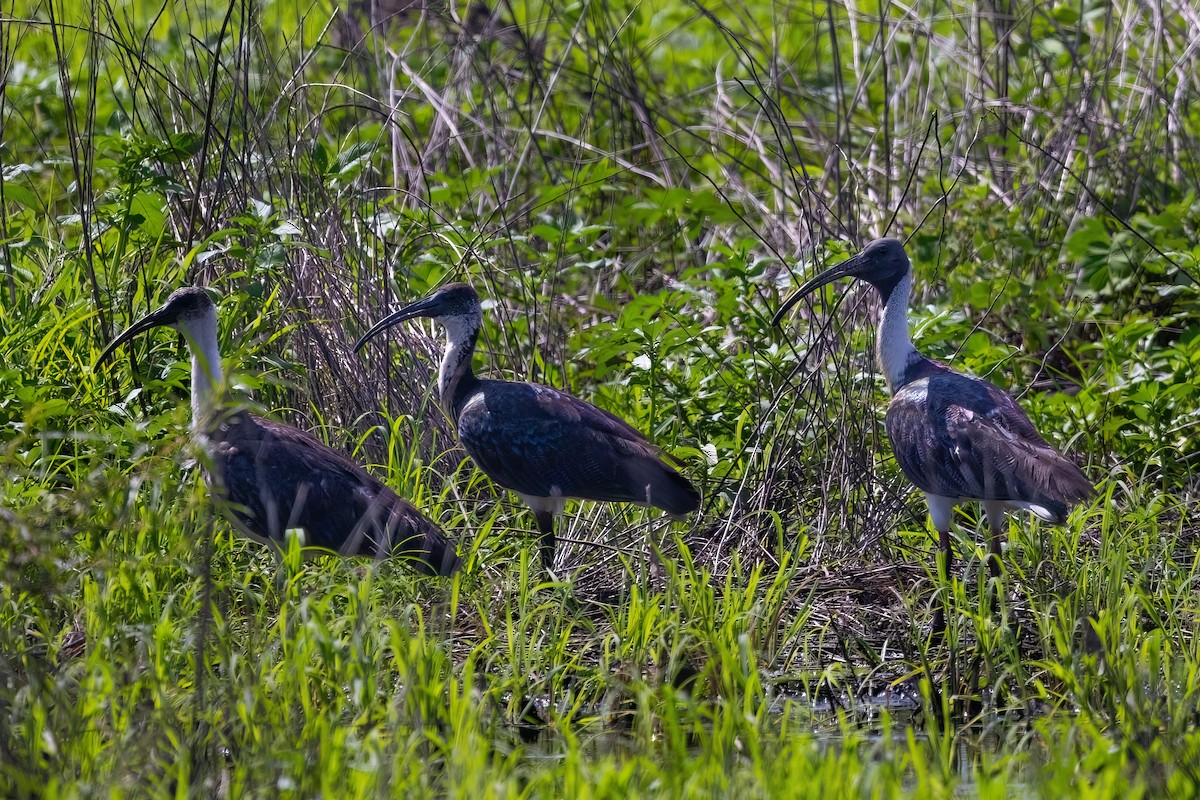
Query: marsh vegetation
633,187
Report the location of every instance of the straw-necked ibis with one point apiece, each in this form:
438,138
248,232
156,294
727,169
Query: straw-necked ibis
542,443
957,437
274,477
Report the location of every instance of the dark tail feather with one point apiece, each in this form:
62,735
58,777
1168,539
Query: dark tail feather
1058,511
409,535
437,555
1067,483
1061,484
425,546
665,488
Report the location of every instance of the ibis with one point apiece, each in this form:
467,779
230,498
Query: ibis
273,477
542,443
957,437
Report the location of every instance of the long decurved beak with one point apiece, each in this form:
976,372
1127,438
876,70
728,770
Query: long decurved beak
152,320
421,308
852,267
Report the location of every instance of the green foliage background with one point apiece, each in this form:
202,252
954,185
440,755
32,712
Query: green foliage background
635,186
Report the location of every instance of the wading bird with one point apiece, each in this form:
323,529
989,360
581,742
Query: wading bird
957,437
543,444
274,477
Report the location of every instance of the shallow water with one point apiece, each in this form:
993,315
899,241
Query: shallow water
824,719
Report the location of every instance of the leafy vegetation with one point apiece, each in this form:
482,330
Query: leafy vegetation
635,187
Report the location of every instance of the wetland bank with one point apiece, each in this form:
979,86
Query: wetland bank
634,189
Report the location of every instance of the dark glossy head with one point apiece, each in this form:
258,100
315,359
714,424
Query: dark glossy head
454,302
883,263
187,305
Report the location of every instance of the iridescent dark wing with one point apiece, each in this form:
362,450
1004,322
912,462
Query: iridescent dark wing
542,442
961,437
277,477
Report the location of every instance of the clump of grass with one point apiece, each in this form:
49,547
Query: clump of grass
634,191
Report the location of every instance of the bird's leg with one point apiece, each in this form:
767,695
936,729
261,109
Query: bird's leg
995,516
945,563
545,523
993,567
941,513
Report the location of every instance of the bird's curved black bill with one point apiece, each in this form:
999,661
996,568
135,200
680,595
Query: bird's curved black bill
849,268
152,320
421,308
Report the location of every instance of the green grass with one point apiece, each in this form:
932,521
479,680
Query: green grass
634,188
